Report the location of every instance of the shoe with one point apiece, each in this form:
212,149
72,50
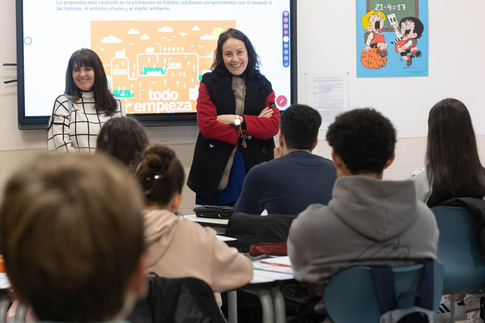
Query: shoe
474,317
444,311
409,61
472,302
417,54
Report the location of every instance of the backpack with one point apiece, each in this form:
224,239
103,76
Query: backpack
421,312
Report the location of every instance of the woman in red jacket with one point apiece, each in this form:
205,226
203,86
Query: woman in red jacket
237,119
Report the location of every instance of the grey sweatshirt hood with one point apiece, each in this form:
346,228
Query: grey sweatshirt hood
379,209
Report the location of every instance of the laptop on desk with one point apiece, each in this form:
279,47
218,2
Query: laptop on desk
214,211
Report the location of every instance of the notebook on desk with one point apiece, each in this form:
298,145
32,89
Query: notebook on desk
214,211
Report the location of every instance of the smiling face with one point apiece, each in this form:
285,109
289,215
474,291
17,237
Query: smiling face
235,56
407,29
376,22
83,77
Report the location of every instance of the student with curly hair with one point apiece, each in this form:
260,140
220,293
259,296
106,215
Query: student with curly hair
368,220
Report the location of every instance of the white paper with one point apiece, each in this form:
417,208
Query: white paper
328,93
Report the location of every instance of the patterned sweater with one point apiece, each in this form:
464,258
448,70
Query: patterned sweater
79,130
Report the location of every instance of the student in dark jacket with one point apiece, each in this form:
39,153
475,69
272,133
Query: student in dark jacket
237,119
288,184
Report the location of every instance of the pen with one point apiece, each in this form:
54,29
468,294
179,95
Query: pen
275,264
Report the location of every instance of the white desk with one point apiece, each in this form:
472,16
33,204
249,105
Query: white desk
195,218
224,238
219,225
265,286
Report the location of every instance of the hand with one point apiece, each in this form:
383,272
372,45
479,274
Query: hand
278,152
266,113
228,118
367,48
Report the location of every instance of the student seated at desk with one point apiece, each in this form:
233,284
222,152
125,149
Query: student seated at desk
71,233
298,178
124,139
452,161
179,247
369,221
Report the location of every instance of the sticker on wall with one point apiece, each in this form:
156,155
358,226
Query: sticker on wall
392,38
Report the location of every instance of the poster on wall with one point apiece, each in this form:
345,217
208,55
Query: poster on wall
392,38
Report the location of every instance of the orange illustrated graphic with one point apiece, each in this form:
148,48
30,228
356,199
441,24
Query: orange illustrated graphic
372,59
156,66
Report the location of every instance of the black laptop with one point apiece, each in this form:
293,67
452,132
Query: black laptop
214,211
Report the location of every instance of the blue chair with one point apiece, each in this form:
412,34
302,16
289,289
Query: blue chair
350,295
458,250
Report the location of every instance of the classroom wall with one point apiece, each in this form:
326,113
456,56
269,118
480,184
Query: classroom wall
326,44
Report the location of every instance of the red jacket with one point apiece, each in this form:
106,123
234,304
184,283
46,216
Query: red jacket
216,140
261,128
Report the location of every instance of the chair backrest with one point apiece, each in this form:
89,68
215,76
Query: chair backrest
350,295
177,300
458,250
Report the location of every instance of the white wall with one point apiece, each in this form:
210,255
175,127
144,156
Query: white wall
326,44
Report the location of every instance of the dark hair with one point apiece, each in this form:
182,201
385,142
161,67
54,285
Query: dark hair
418,25
71,233
123,138
299,125
452,161
364,139
253,60
104,100
160,174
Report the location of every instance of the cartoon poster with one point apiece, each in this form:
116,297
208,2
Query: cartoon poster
392,38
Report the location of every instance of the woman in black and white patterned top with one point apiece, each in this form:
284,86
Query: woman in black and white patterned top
85,106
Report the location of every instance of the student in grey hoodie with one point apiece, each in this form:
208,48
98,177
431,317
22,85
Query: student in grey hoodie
368,220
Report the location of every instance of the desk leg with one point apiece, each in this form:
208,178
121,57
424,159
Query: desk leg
279,305
266,303
20,313
4,305
232,306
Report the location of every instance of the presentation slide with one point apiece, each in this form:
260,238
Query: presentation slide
154,51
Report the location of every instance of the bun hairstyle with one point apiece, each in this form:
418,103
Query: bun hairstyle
160,174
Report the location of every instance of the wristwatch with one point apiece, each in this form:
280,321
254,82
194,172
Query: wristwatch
237,122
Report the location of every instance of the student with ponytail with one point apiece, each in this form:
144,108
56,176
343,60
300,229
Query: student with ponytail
178,247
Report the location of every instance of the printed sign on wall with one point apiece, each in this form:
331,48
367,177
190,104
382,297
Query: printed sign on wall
392,38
